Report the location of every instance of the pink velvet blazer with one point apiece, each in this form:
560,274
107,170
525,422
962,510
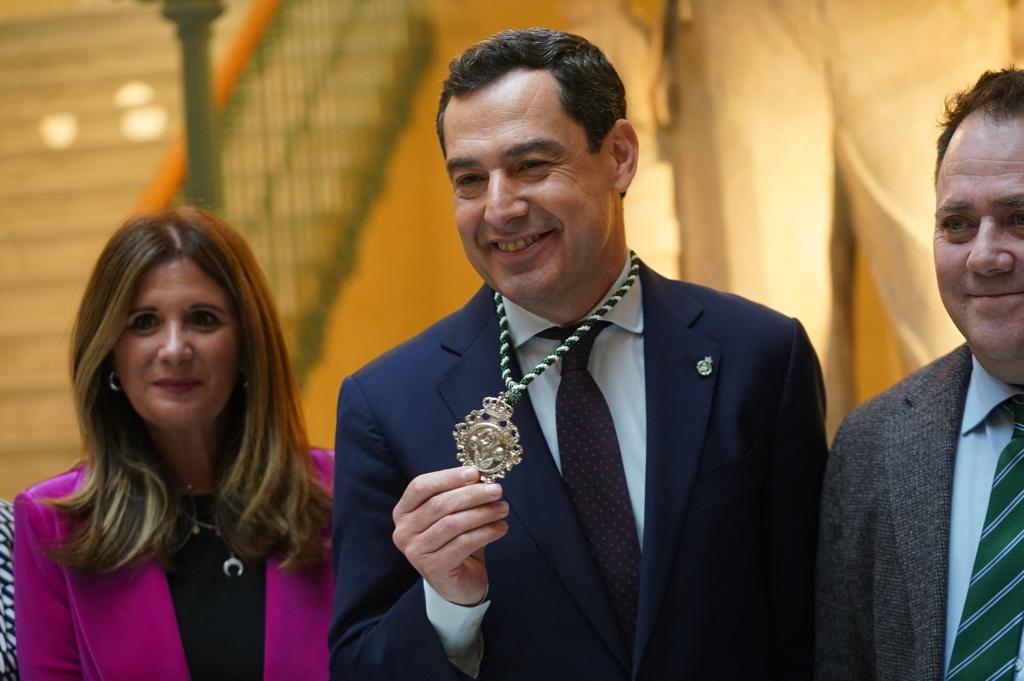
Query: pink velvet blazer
121,625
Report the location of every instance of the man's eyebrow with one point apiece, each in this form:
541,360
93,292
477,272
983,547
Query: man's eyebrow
953,206
1013,201
543,144
459,163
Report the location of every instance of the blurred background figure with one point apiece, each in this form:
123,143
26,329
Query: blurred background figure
802,133
190,543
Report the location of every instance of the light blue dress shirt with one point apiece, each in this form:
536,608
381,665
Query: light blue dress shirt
984,433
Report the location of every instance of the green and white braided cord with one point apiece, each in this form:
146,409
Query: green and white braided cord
514,390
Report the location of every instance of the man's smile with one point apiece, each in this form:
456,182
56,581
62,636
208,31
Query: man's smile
519,244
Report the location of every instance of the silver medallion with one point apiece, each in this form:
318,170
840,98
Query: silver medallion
488,440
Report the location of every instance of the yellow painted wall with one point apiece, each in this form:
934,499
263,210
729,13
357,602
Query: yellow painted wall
877,363
11,9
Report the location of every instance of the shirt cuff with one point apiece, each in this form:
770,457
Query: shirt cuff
459,628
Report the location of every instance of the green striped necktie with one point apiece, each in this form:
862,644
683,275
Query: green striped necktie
989,636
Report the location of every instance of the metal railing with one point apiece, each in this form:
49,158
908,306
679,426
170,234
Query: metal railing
306,135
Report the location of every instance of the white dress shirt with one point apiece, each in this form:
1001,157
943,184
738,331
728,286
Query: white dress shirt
617,365
984,433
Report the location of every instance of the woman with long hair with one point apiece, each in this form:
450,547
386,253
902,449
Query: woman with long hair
190,541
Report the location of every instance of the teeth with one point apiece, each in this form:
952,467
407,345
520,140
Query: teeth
513,246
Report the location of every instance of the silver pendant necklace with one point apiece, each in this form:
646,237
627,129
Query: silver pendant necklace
232,566
487,438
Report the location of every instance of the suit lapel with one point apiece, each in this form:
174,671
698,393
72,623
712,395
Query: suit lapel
128,621
298,614
678,408
534,489
920,472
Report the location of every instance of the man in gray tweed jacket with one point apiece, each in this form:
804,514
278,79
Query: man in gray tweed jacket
921,551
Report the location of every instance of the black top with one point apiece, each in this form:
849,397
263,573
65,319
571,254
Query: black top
220,618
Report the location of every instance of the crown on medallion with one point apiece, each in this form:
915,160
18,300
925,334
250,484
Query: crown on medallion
496,406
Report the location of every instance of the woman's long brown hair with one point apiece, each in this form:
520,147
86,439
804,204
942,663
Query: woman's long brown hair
129,506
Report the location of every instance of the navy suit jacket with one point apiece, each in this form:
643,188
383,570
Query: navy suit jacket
734,467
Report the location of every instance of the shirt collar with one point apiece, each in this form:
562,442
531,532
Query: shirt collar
628,313
984,393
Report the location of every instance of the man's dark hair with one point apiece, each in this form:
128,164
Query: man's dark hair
592,93
999,94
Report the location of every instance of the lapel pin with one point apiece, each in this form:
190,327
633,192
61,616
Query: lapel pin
705,366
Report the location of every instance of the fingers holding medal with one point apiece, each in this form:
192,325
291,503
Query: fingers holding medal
442,524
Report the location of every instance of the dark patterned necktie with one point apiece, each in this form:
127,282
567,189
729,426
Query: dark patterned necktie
592,470
988,638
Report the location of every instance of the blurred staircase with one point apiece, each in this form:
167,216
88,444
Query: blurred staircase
307,137
59,205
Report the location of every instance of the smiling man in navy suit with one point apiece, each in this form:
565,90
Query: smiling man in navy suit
662,521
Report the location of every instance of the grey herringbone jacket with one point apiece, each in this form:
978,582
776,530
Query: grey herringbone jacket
883,550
